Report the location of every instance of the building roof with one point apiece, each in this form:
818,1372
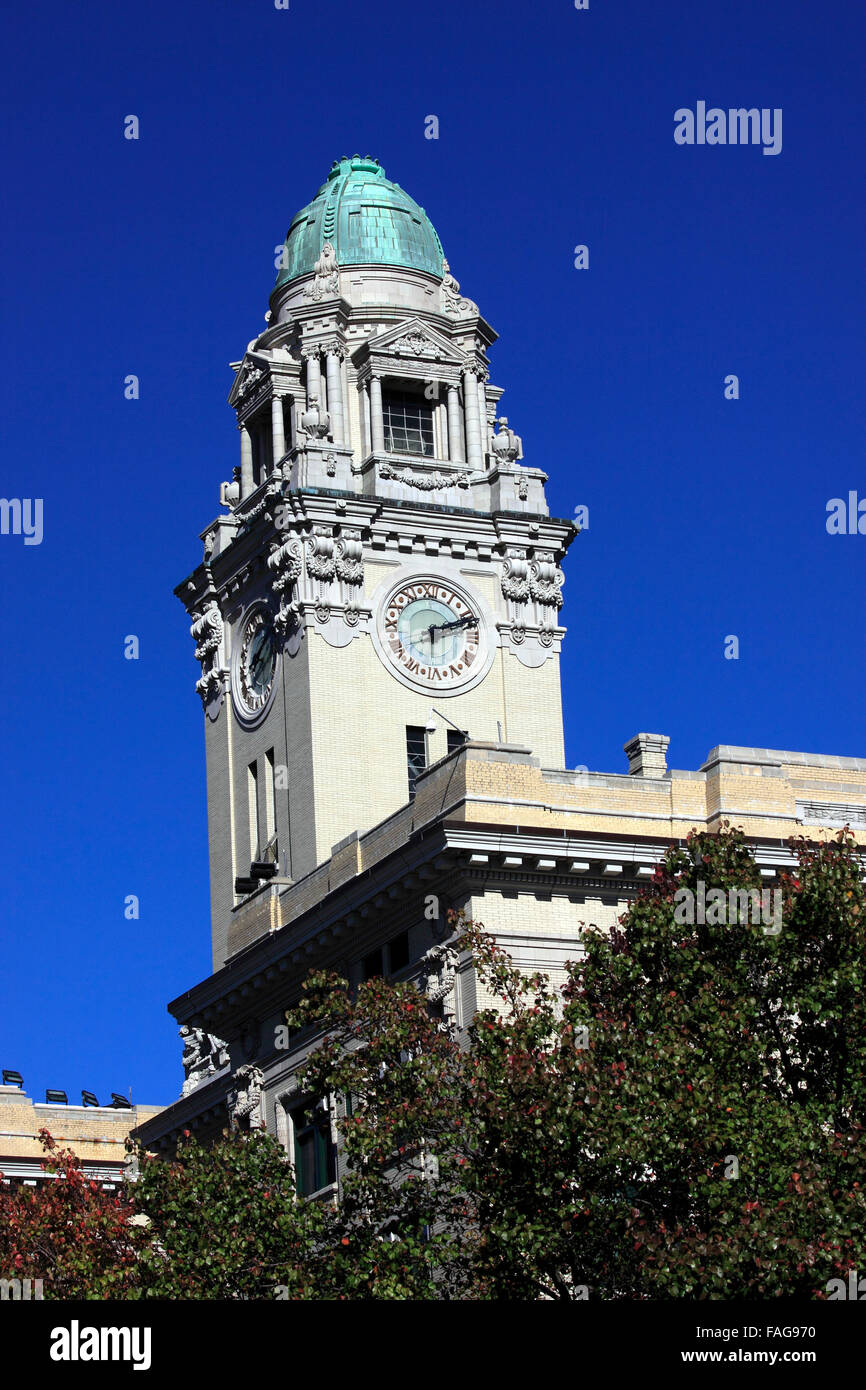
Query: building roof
367,218
96,1134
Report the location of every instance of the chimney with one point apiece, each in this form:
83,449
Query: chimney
647,755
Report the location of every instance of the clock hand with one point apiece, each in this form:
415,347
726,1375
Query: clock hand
450,627
257,667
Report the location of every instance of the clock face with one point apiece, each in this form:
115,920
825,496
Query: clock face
431,634
256,665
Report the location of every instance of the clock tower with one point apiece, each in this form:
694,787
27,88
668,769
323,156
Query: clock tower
384,577
376,614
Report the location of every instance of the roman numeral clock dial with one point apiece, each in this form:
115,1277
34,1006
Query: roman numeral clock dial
254,666
433,636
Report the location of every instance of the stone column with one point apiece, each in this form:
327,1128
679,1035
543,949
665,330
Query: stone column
473,424
442,425
454,442
246,462
314,380
278,429
335,396
377,424
482,419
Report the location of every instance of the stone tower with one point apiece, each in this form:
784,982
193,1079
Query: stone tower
377,621
385,574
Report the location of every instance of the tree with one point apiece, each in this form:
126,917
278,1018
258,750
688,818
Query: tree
683,1117
708,1142
225,1222
69,1232
404,1218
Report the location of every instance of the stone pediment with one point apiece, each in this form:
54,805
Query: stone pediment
250,375
415,341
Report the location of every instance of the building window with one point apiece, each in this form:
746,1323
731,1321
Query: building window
398,953
388,959
373,964
270,798
253,804
408,422
314,1152
455,739
416,755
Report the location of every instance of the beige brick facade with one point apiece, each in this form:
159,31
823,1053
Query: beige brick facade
96,1134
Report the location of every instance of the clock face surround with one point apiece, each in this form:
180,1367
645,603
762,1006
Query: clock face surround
432,635
254,667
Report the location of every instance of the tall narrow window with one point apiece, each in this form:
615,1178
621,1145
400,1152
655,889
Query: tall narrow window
373,964
398,953
263,449
315,1158
253,801
416,755
270,812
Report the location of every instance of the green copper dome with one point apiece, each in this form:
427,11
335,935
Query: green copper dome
368,220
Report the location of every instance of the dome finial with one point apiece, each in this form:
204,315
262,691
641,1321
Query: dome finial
367,219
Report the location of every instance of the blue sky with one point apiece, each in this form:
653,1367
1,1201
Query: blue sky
155,257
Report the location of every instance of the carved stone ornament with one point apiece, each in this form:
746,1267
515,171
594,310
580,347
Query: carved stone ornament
546,580
207,630
471,364
415,344
203,1056
452,301
286,565
426,482
244,1099
326,283
315,421
439,975
266,503
249,379
321,563
350,558
331,465
515,576
506,444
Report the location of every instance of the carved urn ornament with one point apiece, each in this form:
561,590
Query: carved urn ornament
506,444
314,420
